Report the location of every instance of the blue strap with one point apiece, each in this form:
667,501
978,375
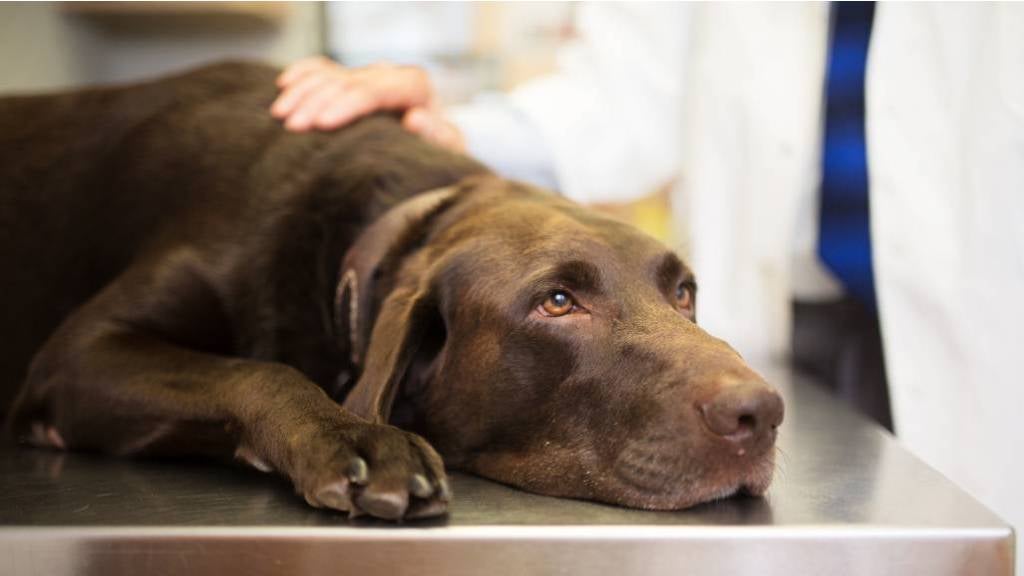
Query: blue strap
844,238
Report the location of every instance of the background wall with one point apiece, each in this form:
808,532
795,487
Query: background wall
471,46
48,45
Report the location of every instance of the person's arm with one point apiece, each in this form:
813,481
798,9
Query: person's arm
502,136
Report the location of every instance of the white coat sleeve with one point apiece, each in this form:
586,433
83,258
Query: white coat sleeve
606,126
501,136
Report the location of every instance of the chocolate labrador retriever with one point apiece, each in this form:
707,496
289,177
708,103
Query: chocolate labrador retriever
183,277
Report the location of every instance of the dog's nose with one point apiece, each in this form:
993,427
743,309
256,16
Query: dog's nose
743,412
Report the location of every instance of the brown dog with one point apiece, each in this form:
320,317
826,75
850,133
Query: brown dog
182,276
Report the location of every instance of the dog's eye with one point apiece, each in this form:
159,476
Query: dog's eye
684,295
559,303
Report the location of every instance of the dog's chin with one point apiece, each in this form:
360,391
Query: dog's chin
671,487
687,491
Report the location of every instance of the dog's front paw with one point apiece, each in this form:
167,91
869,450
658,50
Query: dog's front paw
372,469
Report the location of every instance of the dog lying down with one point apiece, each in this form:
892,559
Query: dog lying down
352,310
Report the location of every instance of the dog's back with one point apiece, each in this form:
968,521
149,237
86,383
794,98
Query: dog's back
90,179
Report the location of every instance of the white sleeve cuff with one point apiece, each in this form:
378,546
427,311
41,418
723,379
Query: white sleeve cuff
501,136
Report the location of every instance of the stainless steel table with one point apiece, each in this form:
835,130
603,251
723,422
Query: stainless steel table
847,500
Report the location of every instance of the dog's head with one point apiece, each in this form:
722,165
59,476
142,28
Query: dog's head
542,345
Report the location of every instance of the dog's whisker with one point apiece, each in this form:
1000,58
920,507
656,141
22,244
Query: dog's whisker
781,461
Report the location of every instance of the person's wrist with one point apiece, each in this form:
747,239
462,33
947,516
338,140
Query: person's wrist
433,126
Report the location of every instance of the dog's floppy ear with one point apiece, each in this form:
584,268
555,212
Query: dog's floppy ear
398,334
387,238
384,346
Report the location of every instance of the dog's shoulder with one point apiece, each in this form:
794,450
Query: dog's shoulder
229,75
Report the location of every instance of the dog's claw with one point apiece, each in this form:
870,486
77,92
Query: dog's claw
444,491
335,496
357,471
426,509
387,505
419,486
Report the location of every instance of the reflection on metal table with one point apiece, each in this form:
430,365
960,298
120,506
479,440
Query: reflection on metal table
847,499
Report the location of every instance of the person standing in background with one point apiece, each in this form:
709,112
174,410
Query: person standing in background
727,99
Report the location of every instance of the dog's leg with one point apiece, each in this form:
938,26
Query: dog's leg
111,379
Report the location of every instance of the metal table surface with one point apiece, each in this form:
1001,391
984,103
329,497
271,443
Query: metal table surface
847,499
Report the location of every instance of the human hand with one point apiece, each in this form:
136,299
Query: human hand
319,94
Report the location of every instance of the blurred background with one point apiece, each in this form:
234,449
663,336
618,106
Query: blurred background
468,46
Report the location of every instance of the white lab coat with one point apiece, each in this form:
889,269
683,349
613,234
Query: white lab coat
945,99
750,169
946,151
